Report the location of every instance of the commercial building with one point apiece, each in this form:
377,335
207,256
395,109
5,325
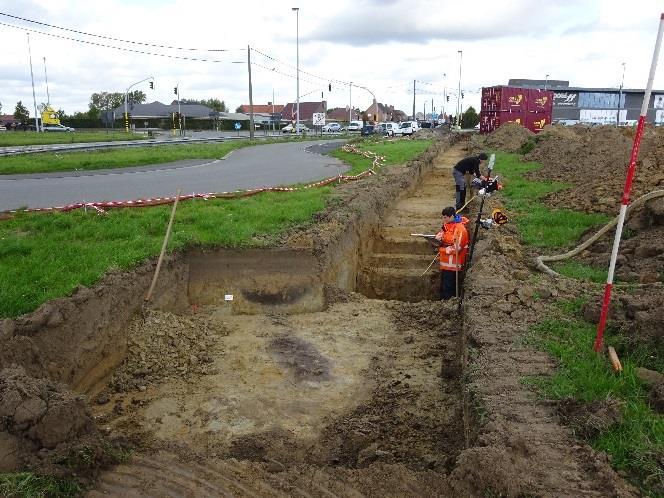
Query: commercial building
573,105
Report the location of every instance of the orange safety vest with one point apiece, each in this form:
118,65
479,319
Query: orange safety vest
453,245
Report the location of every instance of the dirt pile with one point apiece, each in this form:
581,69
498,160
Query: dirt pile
42,424
164,345
594,161
510,137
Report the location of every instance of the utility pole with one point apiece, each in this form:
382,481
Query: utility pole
350,102
413,100
34,99
251,98
48,97
459,96
297,43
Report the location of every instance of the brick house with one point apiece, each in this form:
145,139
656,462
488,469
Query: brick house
307,110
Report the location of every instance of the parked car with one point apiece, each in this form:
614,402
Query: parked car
367,130
407,128
291,128
355,126
332,127
58,127
388,128
3,127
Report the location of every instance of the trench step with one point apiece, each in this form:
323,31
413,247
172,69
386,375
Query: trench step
403,244
414,261
399,284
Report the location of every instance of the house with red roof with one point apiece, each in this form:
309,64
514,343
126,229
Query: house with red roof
307,110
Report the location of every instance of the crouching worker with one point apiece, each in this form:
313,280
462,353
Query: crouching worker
469,165
452,243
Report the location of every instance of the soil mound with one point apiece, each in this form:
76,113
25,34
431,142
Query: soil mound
41,423
593,160
509,137
164,345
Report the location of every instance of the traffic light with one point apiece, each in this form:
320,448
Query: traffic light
329,87
175,90
461,94
448,98
152,85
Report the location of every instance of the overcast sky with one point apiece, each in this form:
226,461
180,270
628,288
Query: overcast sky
382,45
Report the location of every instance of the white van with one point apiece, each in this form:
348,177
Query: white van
388,128
355,126
407,128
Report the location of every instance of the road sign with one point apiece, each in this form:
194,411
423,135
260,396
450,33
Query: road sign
319,118
237,125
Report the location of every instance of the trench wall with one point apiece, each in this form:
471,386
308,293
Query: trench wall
80,339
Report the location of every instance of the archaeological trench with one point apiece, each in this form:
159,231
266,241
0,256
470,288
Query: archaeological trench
322,367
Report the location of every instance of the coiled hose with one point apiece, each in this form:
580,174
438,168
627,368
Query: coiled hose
539,260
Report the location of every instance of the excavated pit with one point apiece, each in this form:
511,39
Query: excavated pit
260,372
271,366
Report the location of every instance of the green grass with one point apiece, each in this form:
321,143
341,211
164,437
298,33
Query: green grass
395,152
114,158
33,138
47,255
580,271
635,444
29,485
539,225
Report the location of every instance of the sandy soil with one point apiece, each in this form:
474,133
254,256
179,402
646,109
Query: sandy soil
386,392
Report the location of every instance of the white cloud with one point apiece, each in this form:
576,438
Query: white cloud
383,45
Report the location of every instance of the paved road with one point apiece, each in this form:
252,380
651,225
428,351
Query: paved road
163,138
250,167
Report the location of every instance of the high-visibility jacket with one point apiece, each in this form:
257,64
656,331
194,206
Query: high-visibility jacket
453,247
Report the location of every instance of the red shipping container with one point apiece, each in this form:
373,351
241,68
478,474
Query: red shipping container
535,121
540,101
491,120
504,98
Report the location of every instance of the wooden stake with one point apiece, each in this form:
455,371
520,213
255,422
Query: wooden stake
615,361
163,247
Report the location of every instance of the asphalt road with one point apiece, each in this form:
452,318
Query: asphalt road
251,167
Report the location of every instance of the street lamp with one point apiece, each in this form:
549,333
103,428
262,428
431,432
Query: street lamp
459,96
125,102
546,80
622,81
444,96
297,44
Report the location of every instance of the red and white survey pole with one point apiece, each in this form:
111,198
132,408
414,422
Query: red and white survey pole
628,187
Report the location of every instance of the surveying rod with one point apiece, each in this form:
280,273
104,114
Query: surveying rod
606,301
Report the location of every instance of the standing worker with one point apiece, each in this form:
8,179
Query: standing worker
452,243
470,165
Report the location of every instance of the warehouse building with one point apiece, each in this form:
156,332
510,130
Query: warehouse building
572,105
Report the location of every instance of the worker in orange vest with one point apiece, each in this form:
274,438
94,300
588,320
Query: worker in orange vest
452,242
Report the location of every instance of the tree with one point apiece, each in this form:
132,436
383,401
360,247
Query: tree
239,109
0,106
21,112
107,101
469,118
215,104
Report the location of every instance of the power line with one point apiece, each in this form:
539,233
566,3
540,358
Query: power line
120,39
120,48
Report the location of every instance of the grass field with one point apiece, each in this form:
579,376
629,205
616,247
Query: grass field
636,446
121,157
8,138
46,255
